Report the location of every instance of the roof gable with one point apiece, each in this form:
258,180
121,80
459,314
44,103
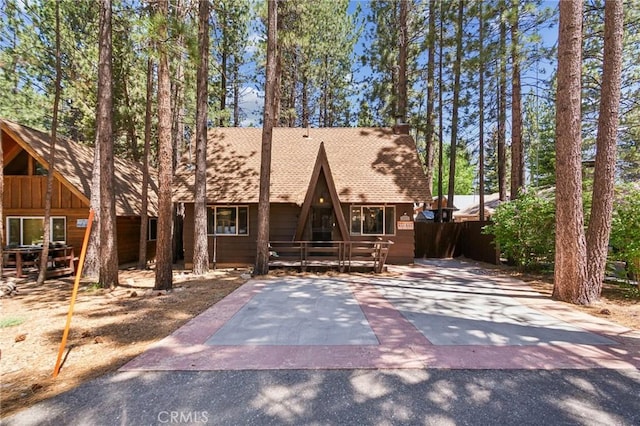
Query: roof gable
322,169
74,168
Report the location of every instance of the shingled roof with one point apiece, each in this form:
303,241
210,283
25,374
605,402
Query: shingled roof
369,165
74,166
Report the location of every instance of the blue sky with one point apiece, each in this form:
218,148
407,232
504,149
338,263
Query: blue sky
253,99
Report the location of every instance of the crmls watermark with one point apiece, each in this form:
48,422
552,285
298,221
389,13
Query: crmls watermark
183,417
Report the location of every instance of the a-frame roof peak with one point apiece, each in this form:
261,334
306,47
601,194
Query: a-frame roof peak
322,167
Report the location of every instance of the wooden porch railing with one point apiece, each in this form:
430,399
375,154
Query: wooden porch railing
342,254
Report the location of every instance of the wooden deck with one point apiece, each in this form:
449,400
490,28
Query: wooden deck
342,255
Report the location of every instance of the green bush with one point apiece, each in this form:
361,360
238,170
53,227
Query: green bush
524,230
625,228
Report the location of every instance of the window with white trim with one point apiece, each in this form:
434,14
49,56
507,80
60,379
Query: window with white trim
29,230
373,220
228,220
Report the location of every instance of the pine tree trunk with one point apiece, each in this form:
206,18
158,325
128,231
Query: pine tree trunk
164,257
481,113
131,123
305,101
277,100
1,198
44,256
91,268
440,117
604,174
570,258
456,105
403,41
177,103
108,234
144,215
177,113
517,148
502,109
223,81
429,131
201,245
293,80
177,90
236,94
270,100
325,94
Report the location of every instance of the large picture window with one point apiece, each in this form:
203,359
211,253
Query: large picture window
373,220
29,230
228,220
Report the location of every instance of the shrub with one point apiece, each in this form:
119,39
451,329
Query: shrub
625,229
524,230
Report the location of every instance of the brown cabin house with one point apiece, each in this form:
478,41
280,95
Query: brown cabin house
327,184
25,162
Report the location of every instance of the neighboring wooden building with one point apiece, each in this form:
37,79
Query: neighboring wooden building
470,207
327,184
25,161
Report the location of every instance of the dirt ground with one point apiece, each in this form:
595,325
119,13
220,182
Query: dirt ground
110,327
619,302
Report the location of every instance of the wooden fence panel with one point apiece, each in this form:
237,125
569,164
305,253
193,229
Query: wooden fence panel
478,246
453,239
437,240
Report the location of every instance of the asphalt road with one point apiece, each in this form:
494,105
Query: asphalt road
347,397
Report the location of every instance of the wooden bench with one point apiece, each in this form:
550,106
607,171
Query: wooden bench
61,261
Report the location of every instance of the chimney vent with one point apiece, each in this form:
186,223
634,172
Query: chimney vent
401,128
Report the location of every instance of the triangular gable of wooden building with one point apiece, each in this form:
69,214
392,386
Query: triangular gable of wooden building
322,167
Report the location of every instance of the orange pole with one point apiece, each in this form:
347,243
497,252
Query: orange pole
74,294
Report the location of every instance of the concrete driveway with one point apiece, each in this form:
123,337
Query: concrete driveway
435,314
438,343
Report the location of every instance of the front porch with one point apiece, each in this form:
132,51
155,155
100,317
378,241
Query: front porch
342,255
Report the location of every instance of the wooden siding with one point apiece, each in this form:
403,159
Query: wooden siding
24,195
28,192
75,235
241,249
284,219
229,249
128,228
